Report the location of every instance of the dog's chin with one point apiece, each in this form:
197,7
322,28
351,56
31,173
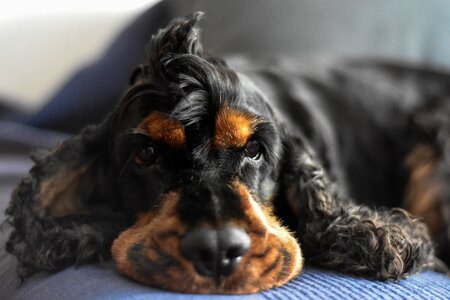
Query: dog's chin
149,252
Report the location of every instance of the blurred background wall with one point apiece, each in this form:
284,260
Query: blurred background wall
43,42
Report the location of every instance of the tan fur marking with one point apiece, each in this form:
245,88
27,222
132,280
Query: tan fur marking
422,194
262,219
161,128
146,230
60,194
233,128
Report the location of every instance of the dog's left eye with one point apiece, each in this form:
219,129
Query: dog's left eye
145,155
253,150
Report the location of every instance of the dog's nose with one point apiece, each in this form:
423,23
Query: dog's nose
215,252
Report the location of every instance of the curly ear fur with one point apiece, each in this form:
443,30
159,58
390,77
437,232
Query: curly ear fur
61,212
337,233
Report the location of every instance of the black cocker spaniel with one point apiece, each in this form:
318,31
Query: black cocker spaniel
209,179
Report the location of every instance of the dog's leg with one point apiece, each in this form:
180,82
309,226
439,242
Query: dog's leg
337,233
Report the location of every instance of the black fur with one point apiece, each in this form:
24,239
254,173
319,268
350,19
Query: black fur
333,145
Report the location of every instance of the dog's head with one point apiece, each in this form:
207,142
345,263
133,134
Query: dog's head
195,154
199,151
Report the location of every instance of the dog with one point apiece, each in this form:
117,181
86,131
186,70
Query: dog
208,179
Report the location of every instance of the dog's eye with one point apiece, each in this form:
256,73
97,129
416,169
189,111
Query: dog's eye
144,155
253,150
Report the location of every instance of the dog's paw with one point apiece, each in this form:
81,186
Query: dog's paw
385,245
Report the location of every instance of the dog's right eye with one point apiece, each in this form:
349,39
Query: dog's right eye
145,155
253,150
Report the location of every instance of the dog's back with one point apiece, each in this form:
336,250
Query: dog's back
360,115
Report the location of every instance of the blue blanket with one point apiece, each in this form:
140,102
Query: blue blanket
103,282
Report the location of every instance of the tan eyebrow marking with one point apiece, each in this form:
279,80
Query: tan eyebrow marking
233,128
162,128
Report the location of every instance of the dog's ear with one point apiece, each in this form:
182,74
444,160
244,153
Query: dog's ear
305,182
336,232
72,177
63,211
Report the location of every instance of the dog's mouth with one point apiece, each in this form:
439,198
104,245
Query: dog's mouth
241,256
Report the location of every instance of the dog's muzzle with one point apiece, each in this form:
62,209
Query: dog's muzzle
203,239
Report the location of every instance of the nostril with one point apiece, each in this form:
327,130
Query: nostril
235,252
215,252
206,254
